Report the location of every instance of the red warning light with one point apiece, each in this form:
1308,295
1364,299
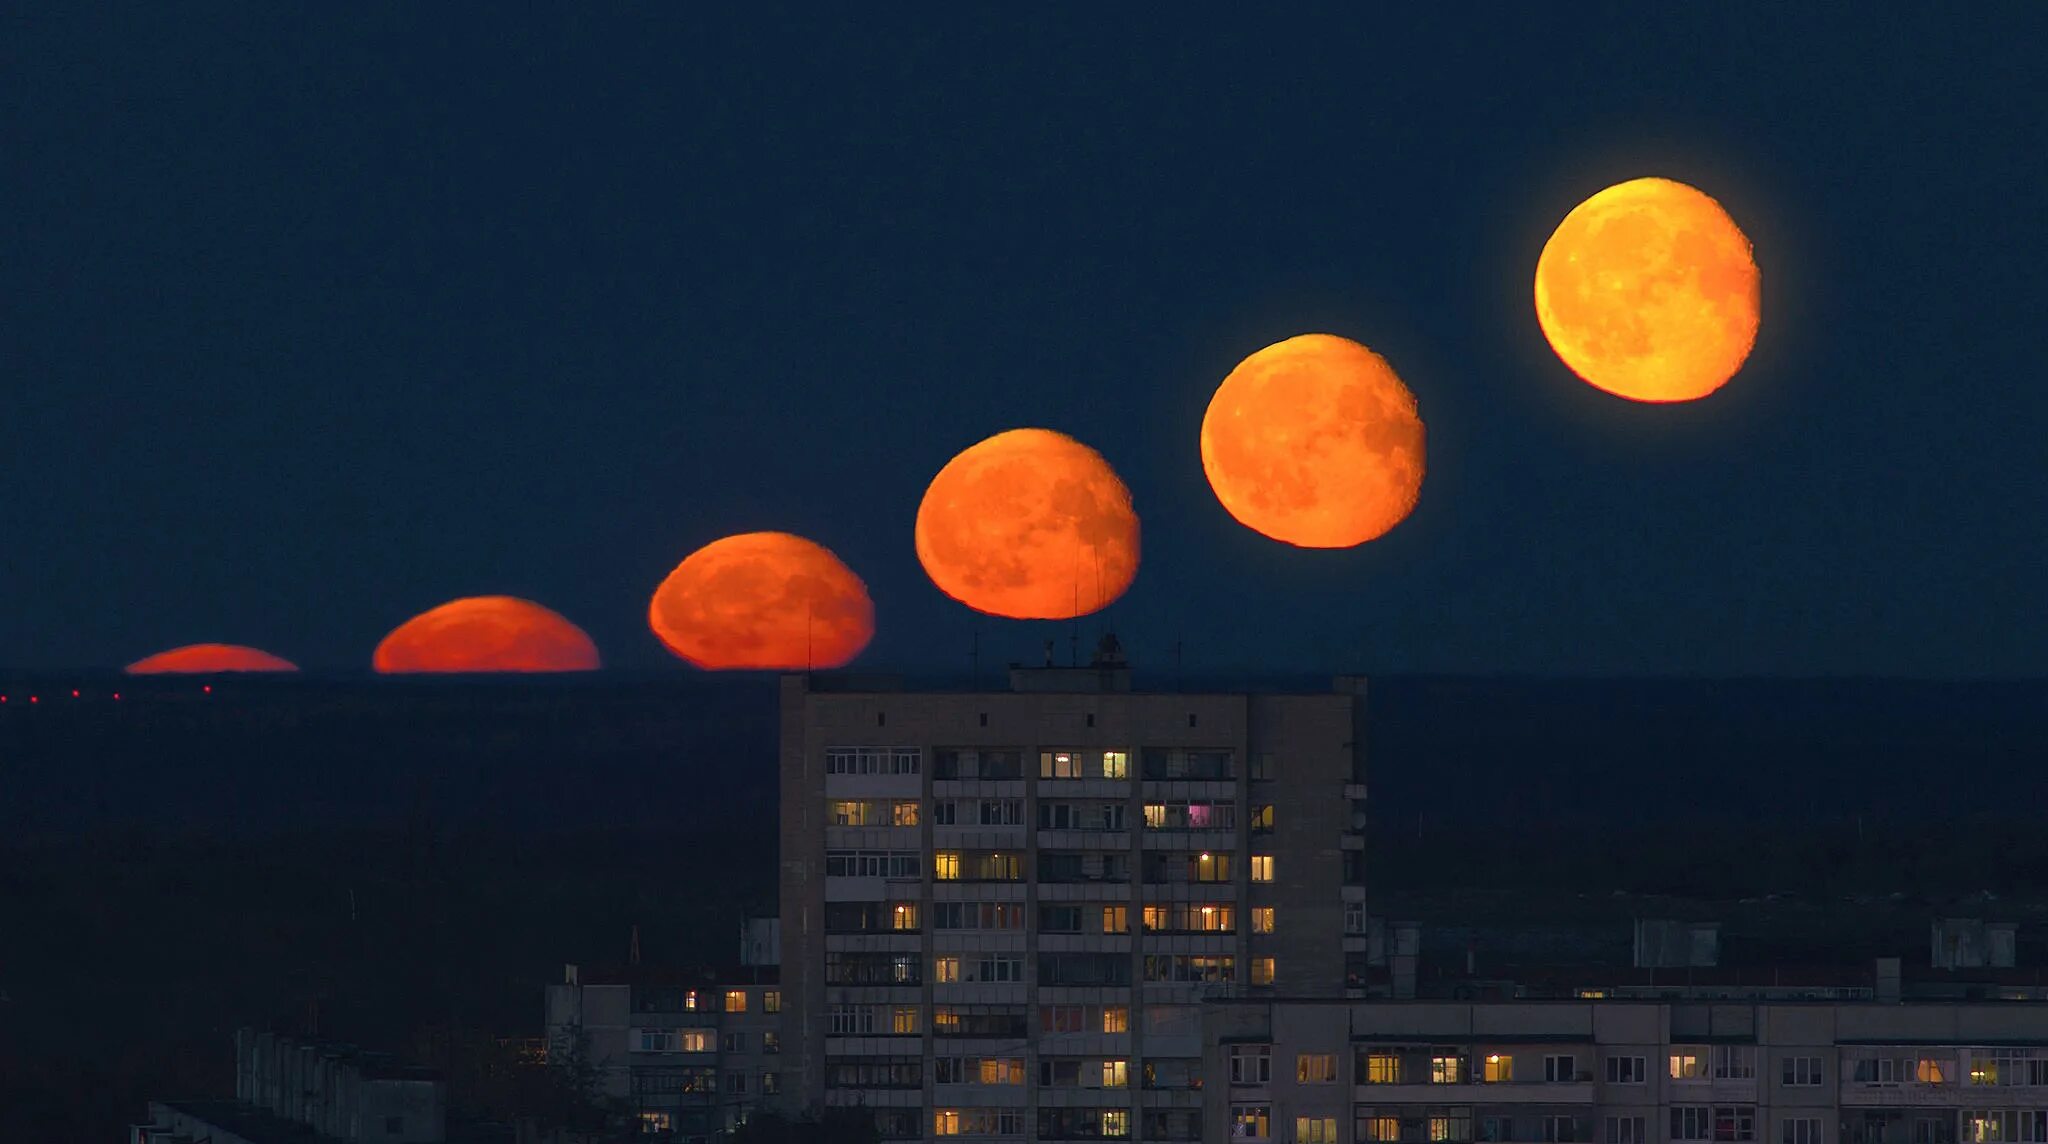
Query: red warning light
117,697
35,699
74,693
208,689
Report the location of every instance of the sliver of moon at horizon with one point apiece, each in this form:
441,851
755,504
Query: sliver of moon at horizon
1315,442
763,601
208,659
1649,291
1029,524
486,634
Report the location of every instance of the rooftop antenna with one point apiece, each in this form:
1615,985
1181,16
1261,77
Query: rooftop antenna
809,666
633,952
974,657
1074,638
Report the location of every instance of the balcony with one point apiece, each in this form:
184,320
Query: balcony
1527,1093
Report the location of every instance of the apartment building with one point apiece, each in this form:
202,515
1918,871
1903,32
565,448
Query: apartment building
1608,1071
689,1052
1003,910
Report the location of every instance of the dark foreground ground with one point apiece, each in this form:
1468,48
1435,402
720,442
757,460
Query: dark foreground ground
400,870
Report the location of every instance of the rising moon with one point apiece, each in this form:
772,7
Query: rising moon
763,600
1649,291
486,634
209,658
1029,524
1314,441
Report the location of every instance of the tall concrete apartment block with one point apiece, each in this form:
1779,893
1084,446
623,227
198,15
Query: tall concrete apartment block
1002,911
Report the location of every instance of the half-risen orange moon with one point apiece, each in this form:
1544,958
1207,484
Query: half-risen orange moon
1649,291
207,659
763,601
1314,441
486,634
1029,524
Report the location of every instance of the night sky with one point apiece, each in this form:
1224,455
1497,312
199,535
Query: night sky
312,320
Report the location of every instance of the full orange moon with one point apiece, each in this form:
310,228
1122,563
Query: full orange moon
486,634
207,658
1649,291
1029,524
1314,441
763,600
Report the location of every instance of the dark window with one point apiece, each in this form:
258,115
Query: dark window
1191,718
394,1124
1091,720
984,718
881,719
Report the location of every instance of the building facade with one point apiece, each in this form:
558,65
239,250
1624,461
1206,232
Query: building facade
689,1053
1610,1071
1002,911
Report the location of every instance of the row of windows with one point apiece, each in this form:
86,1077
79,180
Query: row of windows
1207,867
1159,764
1053,1123
672,1000
873,863
1051,816
946,1020
1454,1068
873,760
669,1082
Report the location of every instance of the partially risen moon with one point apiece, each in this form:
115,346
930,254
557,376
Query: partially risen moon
1649,291
209,658
1314,441
486,634
1029,524
763,600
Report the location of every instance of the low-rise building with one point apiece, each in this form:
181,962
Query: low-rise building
292,1091
688,1052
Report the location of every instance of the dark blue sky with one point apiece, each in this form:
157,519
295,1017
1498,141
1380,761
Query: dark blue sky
309,322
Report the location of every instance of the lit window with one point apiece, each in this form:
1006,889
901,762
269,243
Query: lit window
946,1122
945,970
1251,1121
1932,1070
1450,1129
771,1001
903,814
1499,1069
1382,1068
690,1001
1315,1130
1382,1129
652,1121
1262,971
1983,1070
771,1042
735,1000
696,1040
849,813
1116,919
1262,919
1155,816
946,865
1446,1070
1116,1019
1116,764
1059,765
1262,867
1686,1066
1116,1074
1315,1068
1116,1122
903,917
1262,819
903,1019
